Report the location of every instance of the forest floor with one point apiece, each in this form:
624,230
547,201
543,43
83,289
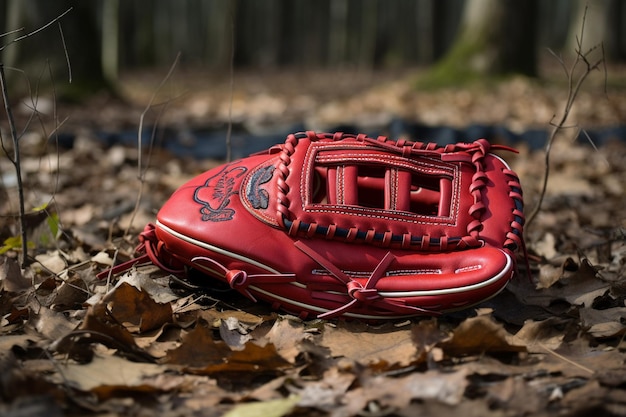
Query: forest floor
141,344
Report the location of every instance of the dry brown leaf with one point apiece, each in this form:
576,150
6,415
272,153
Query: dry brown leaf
212,316
252,359
273,408
105,375
479,335
98,326
426,335
199,353
578,359
234,333
548,276
70,294
102,258
579,288
514,393
127,304
286,336
604,323
50,324
546,246
369,345
148,279
11,276
397,393
51,262
325,394
539,335
198,348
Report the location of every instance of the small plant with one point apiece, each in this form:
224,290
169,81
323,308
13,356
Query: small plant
14,156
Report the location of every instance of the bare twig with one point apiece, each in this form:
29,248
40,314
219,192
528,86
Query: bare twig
229,145
564,359
141,169
34,32
15,160
574,86
67,56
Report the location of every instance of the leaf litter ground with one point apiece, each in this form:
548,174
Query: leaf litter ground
144,343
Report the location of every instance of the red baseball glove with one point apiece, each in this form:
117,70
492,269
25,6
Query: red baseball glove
328,225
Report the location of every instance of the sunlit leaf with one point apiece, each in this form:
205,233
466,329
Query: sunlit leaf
14,243
272,408
42,207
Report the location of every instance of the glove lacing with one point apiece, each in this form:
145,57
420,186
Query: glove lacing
152,251
361,294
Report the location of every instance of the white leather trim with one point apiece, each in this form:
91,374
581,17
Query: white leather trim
466,288
216,249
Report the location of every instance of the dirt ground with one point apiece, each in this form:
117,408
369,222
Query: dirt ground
143,344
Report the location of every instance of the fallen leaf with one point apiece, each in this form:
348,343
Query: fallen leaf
130,305
426,335
286,336
541,335
252,359
51,262
50,324
368,345
199,353
144,279
546,246
233,333
581,288
249,319
104,375
102,258
325,394
513,393
198,348
11,276
479,335
397,393
581,360
99,327
271,408
604,323
70,294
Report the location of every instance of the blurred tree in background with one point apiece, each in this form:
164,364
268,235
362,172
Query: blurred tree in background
106,37
495,38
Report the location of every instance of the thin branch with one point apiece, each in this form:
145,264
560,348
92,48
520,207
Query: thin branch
229,146
67,56
2,35
140,165
147,109
16,163
574,86
564,359
36,31
15,160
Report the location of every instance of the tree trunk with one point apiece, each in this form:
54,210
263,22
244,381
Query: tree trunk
110,40
495,38
595,15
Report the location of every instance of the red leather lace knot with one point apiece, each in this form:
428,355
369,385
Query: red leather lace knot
361,294
237,279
